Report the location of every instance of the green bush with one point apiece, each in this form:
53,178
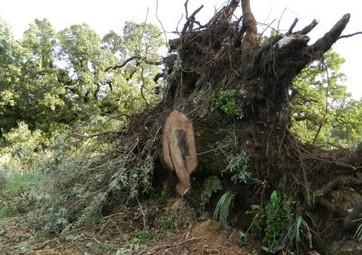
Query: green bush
83,178
272,221
238,165
226,102
23,149
211,185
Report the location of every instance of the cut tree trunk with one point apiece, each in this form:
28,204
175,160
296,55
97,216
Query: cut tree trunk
179,150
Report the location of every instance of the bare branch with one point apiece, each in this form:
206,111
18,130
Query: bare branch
281,16
191,19
290,30
350,35
163,28
186,10
326,42
308,28
224,13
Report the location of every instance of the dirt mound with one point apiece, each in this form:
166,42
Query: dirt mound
206,237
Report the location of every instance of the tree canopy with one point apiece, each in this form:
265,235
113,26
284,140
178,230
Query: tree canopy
54,78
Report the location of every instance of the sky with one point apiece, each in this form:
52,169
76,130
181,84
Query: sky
106,15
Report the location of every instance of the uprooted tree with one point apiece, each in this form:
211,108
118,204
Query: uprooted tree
236,91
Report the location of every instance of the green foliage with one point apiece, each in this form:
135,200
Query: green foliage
211,185
64,97
143,235
323,112
24,149
358,234
297,230
243,237
272,220
81,176
51,79
238,166
222,209
226,102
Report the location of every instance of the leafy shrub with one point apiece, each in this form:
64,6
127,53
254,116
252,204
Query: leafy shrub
24,149
83,177
211,185
238,166
143,235
225,101
272,220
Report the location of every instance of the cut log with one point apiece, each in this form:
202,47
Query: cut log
179,150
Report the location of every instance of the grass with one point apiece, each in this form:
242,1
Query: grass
19,193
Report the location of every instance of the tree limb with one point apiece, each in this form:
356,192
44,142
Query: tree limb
224,13
326,42
290,30
308,28
191,19
157,63
249,25
350,35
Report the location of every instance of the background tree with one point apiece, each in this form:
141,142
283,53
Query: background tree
52,78
321,105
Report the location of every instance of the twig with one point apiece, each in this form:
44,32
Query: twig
143,215
191,19
290,30
163,28
350,35
43,244
280,19
171,246
94,135
186,10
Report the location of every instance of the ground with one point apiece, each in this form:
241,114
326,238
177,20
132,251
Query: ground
170,229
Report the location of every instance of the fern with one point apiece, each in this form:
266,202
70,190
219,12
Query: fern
358,234
221,212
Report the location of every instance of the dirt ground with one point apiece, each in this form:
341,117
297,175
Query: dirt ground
170,230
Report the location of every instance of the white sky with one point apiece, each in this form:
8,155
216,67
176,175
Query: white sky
106,15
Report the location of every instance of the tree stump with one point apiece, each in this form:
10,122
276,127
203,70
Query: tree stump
179,150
